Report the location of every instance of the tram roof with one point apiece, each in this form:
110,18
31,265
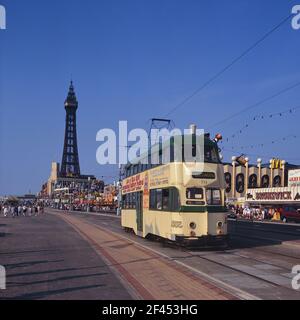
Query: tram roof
174,141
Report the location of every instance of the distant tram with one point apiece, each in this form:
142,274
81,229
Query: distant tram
176,201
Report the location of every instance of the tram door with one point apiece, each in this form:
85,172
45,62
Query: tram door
139,211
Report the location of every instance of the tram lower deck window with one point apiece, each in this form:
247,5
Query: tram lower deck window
129,201
213,197
194,193
164,199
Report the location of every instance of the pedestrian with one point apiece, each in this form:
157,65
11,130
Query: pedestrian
19,210
24,209
29,210
15,211
259,214
5,211
276,216
264,213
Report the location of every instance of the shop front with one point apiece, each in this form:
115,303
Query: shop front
279,196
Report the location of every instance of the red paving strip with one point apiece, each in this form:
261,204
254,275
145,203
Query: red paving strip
144,293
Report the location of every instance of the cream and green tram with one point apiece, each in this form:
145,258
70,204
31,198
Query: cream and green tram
177,202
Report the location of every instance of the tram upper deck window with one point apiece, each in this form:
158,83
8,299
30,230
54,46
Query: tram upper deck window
211,154
129,171
213,197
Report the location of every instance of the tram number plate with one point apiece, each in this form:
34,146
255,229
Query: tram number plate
176,224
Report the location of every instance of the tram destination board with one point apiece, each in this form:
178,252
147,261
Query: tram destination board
204,175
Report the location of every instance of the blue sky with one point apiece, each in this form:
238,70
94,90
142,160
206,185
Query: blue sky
134,60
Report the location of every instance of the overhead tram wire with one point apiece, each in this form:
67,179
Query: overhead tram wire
262,144
257,104
261,117
258,155
227,67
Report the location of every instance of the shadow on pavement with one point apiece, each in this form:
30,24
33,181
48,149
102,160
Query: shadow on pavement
66,278
44,294
29,263
247,234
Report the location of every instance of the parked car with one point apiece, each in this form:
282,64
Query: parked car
290,214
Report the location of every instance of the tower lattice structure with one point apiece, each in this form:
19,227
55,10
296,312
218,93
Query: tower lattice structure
70,159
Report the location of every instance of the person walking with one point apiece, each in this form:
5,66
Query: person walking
19,211
263,214
24,209
14,211
5,211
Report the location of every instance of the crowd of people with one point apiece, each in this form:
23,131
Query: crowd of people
88,190
82,207
19,210
256,213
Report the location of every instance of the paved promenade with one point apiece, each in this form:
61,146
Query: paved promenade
45,258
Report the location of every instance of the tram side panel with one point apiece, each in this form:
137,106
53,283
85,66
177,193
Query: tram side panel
158,223
128,219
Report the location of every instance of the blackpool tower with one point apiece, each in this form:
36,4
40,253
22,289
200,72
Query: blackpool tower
70,160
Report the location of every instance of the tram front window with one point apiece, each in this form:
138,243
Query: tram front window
213,197
195,196
194,193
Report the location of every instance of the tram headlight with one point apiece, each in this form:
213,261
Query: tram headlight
193,225
220,224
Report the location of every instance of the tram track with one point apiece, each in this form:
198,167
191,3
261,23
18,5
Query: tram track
229,267
259,247
118,228
264,227
183,259
261,261
193,254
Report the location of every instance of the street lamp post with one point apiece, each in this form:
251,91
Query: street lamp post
89,195
283,162
233,176
246,175
259,161
271,174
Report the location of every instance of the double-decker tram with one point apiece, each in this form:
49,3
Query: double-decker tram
180,201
